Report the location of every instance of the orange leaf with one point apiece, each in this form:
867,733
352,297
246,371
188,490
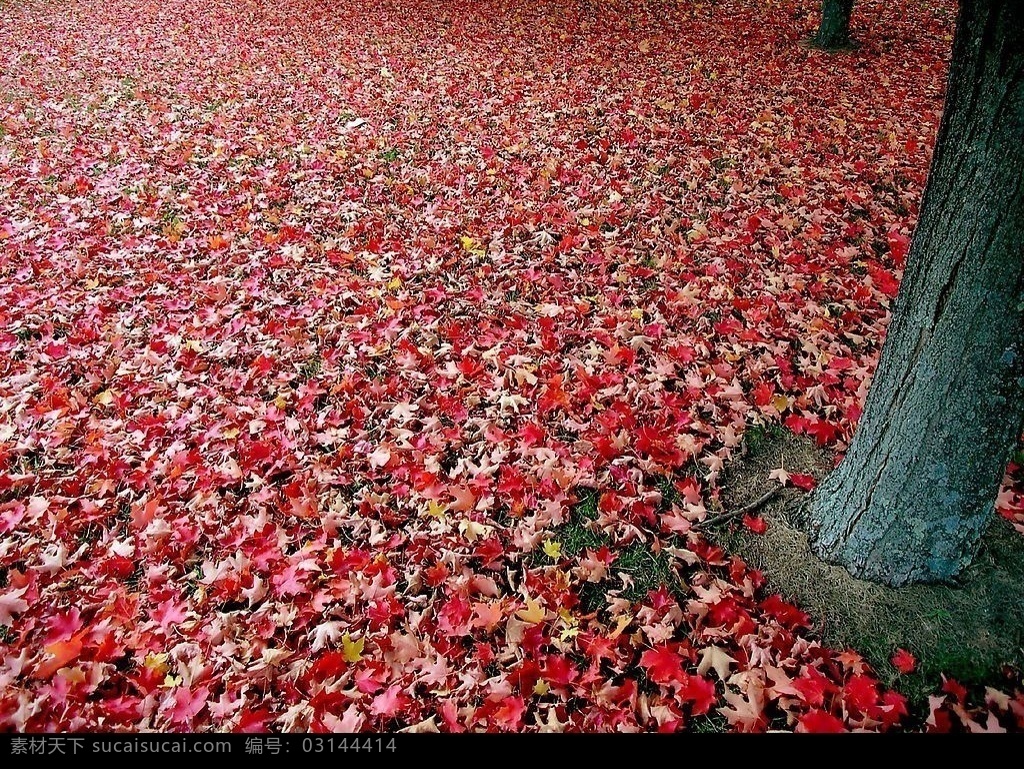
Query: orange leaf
464,499
533,613
61,654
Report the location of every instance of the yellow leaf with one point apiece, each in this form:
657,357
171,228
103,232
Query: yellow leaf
351,650
104,398
470,245
281,402
636,313
394,283
570,630
781,402
569,633
541,688
552,549
621,623
194,344
533,613
436,509
171,681
156,662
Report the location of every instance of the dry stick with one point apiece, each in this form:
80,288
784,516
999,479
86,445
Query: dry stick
717,519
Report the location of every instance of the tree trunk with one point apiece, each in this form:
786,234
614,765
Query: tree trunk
834,31
912,497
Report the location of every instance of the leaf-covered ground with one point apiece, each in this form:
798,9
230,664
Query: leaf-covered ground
366,365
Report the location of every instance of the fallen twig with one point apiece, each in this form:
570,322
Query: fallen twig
748,508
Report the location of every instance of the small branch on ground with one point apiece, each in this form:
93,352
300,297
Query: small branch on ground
748,508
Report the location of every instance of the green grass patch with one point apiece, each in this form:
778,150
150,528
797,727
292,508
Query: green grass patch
759,437
645,569
310,368
648,570
578,533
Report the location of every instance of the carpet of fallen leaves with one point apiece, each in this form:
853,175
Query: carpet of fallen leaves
355,356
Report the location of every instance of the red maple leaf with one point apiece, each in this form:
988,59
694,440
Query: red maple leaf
787,614
802,481
390,703
892,709
756,524
904,661
818,721
254,721
899,246
62,626
699,691
884,280
509,714
812,685
663,664
188,704
861,692
330,665
559,671
168,613
954,687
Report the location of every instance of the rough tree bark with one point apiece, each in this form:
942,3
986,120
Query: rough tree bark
910,501
834,30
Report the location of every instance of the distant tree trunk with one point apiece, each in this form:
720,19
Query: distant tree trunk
912,497
834,30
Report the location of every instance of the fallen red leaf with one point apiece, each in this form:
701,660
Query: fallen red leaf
904,661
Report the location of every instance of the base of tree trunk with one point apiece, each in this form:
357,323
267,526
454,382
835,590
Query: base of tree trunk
813,43
864,540
834,30
969,630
